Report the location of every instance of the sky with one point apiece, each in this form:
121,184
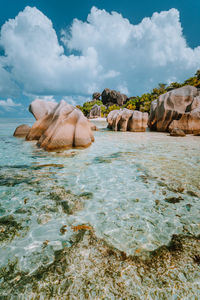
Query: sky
59,49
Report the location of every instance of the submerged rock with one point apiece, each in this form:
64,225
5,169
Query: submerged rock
93,269
63,127
179,108
22,130
177,132
127,120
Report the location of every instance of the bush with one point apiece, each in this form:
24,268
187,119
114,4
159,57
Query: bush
87,106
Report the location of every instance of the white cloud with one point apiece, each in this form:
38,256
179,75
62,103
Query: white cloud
45,98
74,100
8,88
8,104
113,53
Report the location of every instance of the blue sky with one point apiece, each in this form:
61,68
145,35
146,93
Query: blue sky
121,50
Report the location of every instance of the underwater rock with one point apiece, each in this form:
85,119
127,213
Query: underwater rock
22,130
177,132
9,228
93,269
179,108
63,128
174,199
69,202
127,120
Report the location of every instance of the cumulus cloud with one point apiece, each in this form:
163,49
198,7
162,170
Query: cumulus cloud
8,87
8,104
112,53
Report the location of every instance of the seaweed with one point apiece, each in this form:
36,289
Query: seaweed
9,228
91,268
174,199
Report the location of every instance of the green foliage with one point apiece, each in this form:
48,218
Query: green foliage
112,107
87,106
103,111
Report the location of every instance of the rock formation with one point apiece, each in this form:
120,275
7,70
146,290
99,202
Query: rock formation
62,127
22,130
179,108
110,97
127,120
95,111
39,108
96,96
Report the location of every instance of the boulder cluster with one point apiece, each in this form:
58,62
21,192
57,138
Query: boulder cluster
127,120
58,126
177,112
177,109
62,126
109,98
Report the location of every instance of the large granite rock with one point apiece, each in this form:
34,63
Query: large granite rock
95,111
40,108
22,130
189,122
110,97
179,108
127,120
63,127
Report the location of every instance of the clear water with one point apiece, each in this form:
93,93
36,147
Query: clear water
142,187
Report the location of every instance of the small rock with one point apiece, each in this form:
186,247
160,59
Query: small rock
174,199
21,131
197,133
43,219
177,132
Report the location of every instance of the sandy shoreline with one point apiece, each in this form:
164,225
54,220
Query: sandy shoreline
98,119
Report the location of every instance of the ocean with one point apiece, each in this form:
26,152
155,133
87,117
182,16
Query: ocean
118,220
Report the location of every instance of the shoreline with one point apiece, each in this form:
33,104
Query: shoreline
98,119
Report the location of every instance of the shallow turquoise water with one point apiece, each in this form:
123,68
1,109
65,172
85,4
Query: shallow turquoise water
142,187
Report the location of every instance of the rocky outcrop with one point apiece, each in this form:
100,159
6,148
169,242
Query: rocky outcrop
127,120
95,111
40,108
189,122
62,127
110,97
96,96
22,130
179,108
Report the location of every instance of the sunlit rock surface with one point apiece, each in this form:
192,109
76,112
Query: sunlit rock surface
22,130
179,108
127,120
40,108
63,127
